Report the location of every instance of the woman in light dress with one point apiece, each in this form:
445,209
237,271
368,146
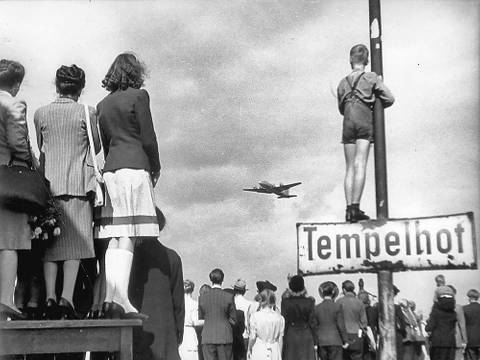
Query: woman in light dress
188,350
266,330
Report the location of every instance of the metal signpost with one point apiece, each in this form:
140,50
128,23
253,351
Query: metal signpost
385,245
386,323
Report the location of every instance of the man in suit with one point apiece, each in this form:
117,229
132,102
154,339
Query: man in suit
330,330
217,308
472,321
355,321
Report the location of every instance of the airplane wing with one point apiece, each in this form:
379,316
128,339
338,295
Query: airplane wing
287,186
264,191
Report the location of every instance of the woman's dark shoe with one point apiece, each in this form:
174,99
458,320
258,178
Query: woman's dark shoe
6,312
51,310
118,312
90,315
106,311
67,312
33,313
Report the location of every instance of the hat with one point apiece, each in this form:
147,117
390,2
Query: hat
296,283
445,291
188,286
240,284
328,285
262,285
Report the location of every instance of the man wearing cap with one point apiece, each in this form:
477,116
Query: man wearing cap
472,321
355,321
242,304
330,330
217,308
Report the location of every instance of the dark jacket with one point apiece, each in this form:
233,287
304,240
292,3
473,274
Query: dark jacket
299,338
128,135
441,323
330,324
217,308
472,322
156,288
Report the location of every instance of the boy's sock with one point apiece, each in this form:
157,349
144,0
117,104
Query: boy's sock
355,206
122,277
110,273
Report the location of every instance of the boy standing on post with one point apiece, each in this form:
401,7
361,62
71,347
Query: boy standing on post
356,97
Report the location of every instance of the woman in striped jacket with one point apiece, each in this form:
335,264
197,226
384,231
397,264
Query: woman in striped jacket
63,142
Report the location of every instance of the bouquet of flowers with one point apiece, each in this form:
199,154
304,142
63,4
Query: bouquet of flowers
47,225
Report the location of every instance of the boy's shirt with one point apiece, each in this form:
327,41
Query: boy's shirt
368,88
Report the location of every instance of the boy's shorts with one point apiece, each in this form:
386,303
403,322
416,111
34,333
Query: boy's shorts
357,122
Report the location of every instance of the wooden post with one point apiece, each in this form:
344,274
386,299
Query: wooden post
387,348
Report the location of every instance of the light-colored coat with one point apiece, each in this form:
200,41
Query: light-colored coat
63,141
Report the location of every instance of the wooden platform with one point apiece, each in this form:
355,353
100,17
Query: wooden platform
67,336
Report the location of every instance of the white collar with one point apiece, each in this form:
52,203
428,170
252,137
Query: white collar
216,286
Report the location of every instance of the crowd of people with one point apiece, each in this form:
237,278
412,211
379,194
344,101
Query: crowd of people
228,326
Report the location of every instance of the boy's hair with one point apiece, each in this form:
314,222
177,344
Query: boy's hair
473,294
359,55
216,276
348,286
440,279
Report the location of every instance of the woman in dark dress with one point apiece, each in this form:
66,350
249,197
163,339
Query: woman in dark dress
441,327
298,311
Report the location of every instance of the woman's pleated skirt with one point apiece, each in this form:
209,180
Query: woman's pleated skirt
129,209
75,241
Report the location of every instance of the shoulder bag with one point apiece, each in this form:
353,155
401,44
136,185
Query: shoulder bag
100,186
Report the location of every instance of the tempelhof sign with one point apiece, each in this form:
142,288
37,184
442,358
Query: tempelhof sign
442,242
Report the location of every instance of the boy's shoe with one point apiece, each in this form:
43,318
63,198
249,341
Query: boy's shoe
358,215
348,214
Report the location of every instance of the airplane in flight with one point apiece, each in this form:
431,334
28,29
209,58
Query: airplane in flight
282,191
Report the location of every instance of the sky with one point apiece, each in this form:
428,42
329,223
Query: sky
244,91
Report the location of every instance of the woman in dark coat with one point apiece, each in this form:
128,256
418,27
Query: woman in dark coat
156,289
298,311
441,327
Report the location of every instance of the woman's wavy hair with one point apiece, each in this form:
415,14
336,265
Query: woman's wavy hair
11,73
267,299
126,71
70,80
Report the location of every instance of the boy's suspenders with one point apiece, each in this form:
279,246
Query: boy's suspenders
351,95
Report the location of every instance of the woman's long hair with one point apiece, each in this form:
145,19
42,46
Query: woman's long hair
267,299
126,71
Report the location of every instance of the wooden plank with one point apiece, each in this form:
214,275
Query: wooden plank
126,352
60,324
59,341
